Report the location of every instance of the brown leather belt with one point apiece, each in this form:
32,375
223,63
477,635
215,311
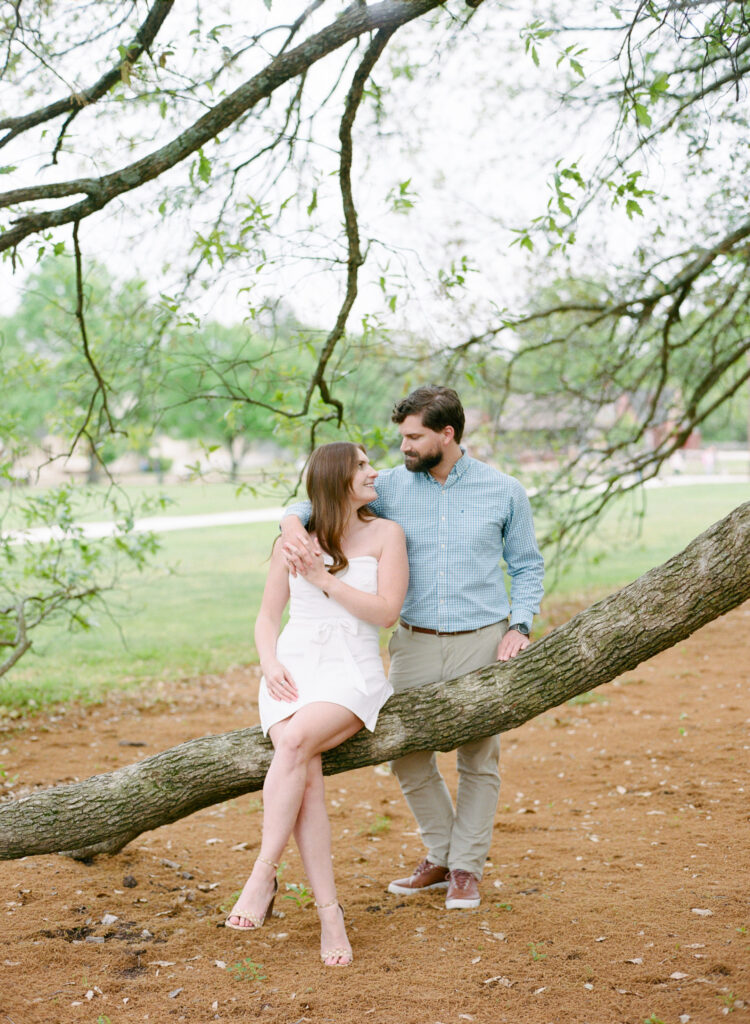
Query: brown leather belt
439,632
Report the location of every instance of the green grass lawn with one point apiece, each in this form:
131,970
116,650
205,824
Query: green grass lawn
197,617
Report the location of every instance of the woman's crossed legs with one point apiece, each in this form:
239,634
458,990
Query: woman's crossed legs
294,801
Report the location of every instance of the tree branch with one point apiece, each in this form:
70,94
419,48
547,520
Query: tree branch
353,22
74,103
104,813
355,259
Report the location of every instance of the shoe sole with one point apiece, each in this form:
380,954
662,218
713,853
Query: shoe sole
403,890
462,904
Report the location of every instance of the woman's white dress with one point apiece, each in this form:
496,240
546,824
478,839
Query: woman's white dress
332,656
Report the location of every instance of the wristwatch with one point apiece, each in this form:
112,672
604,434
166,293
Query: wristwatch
521,627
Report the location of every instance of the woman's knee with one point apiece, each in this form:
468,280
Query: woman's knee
294,746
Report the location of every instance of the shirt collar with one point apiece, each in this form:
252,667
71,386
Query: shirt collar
458,469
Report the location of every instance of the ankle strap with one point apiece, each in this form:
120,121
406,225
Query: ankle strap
270,863
330,903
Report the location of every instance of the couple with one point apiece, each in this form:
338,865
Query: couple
346,575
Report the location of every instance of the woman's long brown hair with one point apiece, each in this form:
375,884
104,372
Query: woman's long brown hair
330,472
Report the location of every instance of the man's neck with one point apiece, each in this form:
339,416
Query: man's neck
449,460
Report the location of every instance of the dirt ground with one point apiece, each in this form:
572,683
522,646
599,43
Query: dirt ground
617,891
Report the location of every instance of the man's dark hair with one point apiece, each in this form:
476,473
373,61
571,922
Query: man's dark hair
438,406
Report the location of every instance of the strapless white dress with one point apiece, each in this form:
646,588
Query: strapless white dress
331,655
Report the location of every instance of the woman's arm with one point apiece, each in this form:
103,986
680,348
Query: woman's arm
279,681
381,609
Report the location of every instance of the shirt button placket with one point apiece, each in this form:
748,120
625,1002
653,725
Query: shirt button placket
442,563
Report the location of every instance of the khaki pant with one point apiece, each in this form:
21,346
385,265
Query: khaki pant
457,838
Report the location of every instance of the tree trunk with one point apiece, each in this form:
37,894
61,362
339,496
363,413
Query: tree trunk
710,577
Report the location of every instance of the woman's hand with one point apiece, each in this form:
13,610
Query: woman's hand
279,682
313,569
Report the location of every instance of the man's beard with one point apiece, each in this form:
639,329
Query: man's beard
415,464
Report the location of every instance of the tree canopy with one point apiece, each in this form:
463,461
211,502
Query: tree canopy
546,208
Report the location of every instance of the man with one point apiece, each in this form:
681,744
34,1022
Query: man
460,517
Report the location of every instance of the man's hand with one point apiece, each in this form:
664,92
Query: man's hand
297,546
512,644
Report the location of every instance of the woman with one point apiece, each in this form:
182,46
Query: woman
322,677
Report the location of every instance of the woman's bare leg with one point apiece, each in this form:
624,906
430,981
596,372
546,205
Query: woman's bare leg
297,740
313,834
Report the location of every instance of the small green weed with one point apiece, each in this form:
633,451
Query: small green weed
535,950
230,901
653,1019
247,970
381,824
4,774
503,906
742,930
300,894
588,698
728,999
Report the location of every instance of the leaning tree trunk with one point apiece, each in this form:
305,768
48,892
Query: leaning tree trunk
102,814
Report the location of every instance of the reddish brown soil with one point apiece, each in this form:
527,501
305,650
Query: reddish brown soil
617,889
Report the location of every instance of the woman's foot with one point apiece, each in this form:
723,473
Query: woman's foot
256,899
335,949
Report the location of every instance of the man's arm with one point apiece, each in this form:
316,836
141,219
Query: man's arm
526,570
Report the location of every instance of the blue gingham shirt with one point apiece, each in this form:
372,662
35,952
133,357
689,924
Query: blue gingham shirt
456,535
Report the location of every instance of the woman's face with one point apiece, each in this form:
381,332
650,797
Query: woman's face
363,481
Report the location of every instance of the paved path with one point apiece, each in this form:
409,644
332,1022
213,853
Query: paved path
155,524
165,524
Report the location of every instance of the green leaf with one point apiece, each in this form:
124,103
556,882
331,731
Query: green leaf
313,203
642,115
660,84
204,166
577,67
631,207
535,55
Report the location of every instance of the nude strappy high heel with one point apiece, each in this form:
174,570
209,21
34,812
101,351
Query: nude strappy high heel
338,951
255,921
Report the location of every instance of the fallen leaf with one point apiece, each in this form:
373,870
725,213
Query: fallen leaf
678,975
635,960
702,913
174,993
499,980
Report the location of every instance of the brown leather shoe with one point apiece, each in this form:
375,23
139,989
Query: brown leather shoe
463,891
425,876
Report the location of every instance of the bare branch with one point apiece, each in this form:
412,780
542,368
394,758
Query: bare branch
354,21
72,104
355,259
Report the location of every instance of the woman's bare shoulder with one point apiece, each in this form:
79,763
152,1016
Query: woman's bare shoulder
387,531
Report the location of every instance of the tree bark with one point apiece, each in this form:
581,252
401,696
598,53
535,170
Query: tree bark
710,577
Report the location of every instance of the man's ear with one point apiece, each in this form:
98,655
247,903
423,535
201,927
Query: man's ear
448,434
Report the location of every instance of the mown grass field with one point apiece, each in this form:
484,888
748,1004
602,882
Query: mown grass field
195,614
